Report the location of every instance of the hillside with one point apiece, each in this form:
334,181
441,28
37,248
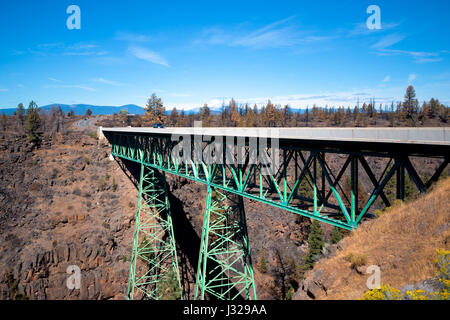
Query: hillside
402,242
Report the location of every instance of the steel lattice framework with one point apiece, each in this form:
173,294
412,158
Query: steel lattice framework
225,266
225,269
153,254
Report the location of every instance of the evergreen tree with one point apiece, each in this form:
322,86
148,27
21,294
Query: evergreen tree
32,123
155,111
3,121
123,116
316,243
234,114
173,118
307,117
20,111
205,115
88,112
410,103
336,235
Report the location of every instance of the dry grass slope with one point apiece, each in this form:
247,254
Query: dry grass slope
403,242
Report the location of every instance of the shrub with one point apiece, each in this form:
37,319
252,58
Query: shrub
442,274
114,185
86,160
356,259
383,293
93,134
262,264
13,285
102,185
169,287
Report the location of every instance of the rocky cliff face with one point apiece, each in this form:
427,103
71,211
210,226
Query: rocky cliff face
64,204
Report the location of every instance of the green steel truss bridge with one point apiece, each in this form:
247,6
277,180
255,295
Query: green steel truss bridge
315,159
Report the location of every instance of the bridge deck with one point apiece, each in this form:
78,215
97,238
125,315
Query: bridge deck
428,136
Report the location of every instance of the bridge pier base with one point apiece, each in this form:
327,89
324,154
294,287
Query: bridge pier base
154,266
225,269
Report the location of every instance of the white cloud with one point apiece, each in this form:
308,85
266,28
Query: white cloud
322,99
70,86
411,78
86,53
180,95
108,82
361,28
418,56
148,55
3,89
132,37
387,79
282,33
54,80
388,41
60,48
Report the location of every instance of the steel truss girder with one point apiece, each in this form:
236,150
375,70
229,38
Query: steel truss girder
280,189
154,255
225,269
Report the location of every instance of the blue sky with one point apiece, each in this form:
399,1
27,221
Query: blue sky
195,52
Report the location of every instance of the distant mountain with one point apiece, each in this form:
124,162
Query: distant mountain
81,109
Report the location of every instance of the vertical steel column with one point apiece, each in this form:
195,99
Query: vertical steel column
400,179
154,266
323,181
225,269
314,182
354,187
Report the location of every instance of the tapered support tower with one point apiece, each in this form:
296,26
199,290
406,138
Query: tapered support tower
225,268
154,266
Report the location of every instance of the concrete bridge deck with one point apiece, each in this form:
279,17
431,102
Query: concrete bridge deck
429,142
429,136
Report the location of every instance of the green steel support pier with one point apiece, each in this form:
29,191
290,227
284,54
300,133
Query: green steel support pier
154,255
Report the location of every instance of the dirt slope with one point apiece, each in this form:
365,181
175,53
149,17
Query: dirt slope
402,242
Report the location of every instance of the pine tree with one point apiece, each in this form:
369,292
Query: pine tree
410,103
20,111
336,235
174,117
123,116
307,117
205,115
3,121
271,113
88,112
32,123
234,114
316,243
155,111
